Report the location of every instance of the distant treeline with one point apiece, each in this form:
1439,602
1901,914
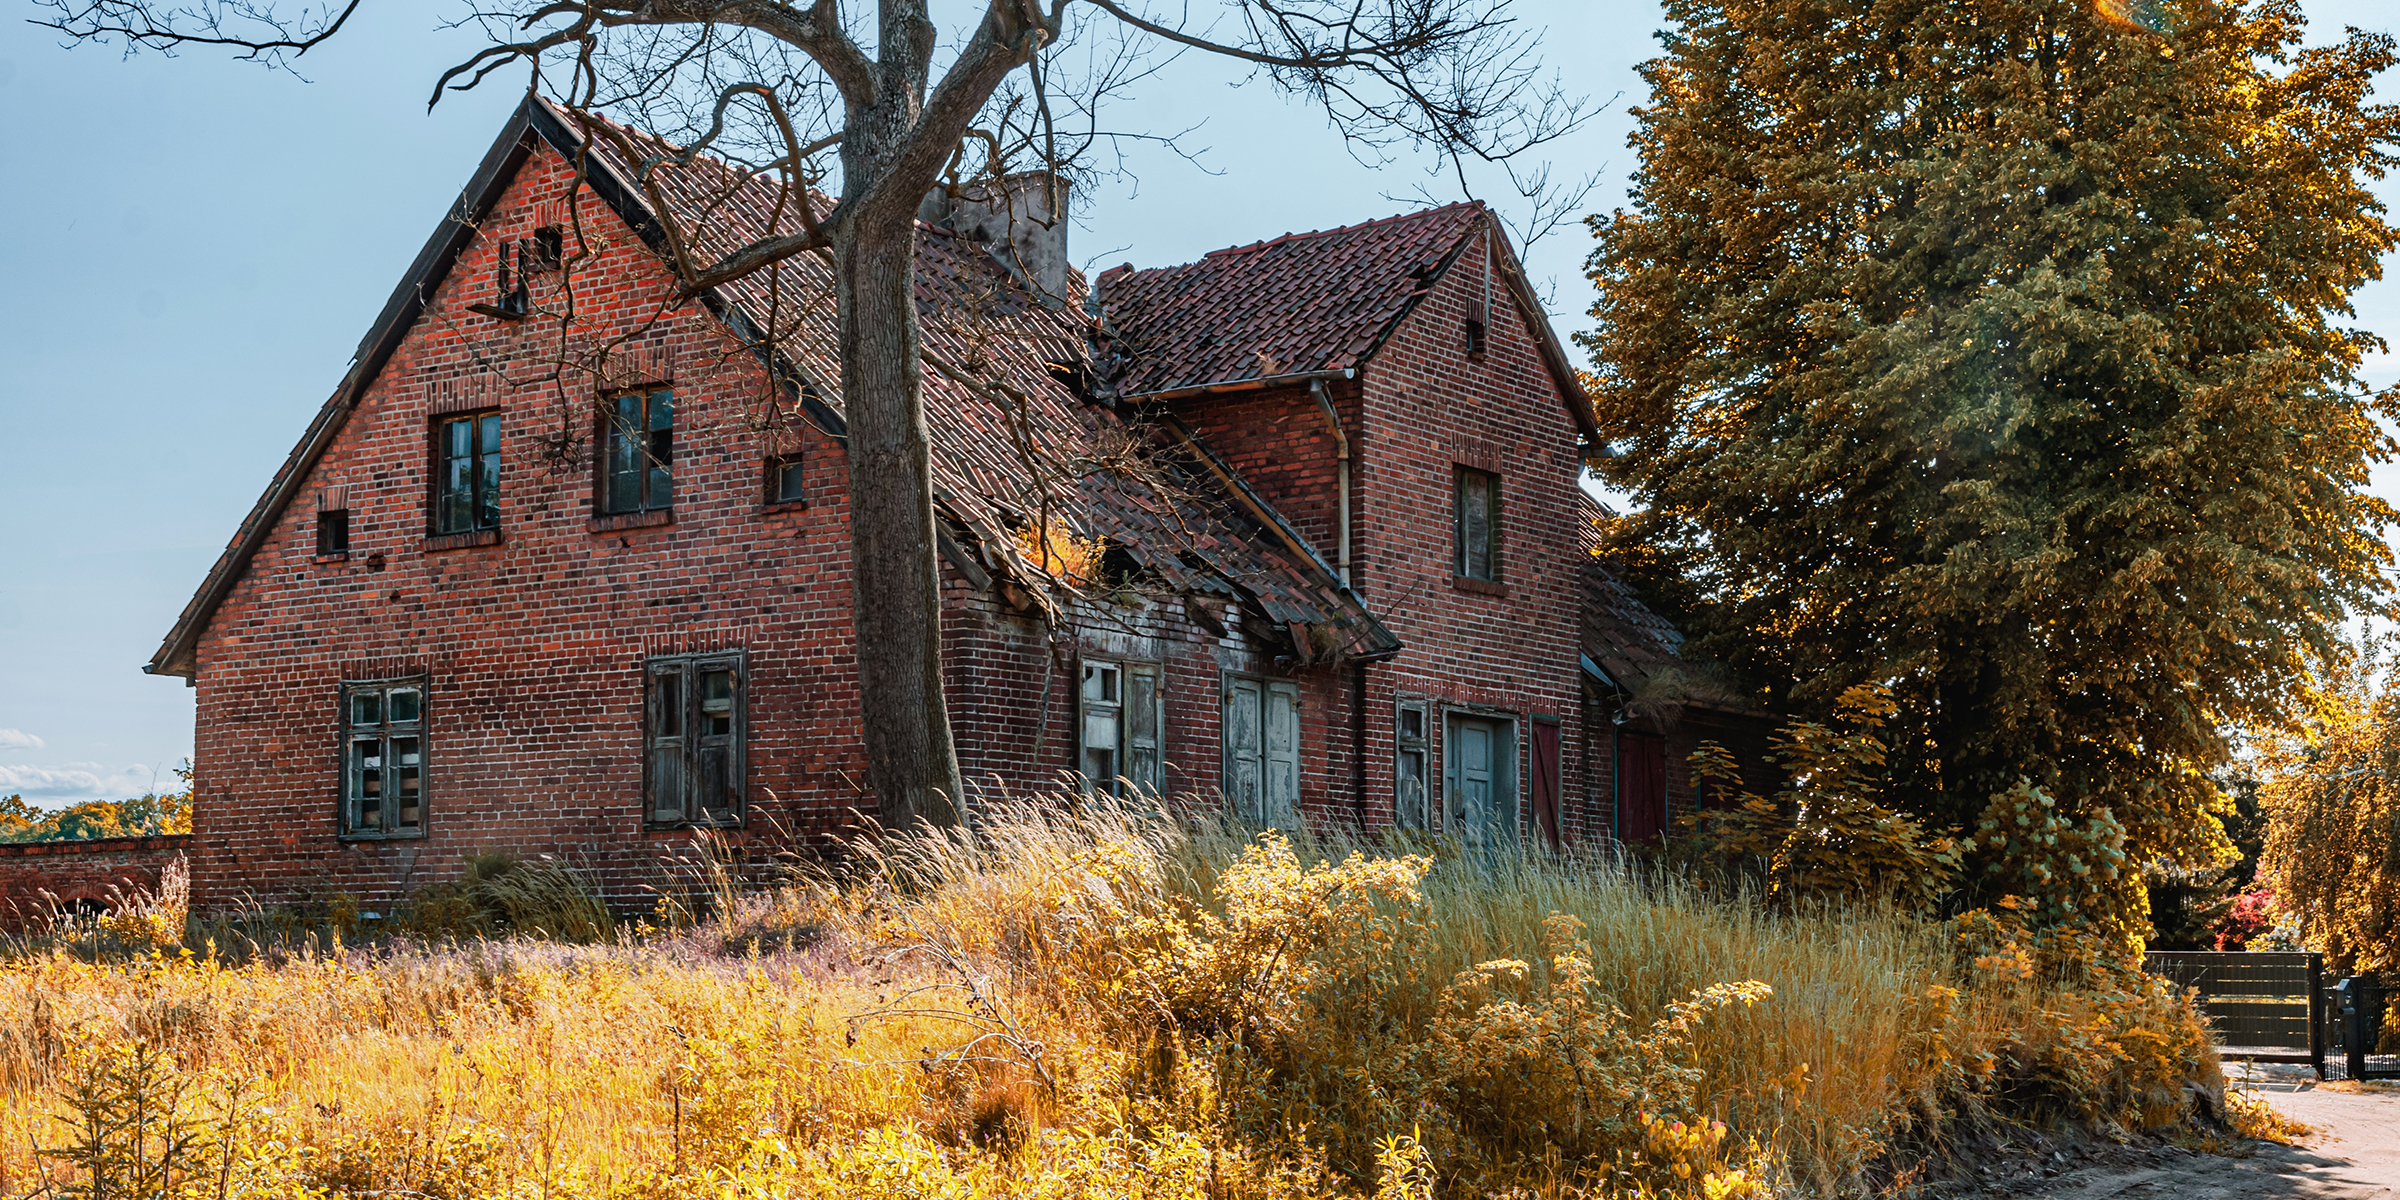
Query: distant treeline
143,816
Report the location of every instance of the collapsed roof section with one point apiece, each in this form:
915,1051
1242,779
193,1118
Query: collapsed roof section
1014,442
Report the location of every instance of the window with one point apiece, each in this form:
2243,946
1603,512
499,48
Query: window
1262,750
1120,748
383,758
333,531
1409,753
466,473
640,453
1478,525
692,762
783,480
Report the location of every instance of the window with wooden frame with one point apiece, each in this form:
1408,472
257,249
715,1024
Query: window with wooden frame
466,473
693,731
1123,718
1478,526
333,532
784,481
638,453
383,758
1410,752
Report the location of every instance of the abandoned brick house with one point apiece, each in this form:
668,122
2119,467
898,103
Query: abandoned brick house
505,595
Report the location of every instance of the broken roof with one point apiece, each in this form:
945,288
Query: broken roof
1009,428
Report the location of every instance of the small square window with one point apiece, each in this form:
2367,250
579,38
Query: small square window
784,480
333,531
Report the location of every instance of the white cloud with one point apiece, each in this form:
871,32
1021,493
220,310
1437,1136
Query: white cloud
16,739
76,781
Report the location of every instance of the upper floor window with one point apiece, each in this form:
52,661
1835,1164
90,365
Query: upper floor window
333,532
466,473
1478,525
784,482
693,763
383,758
637,463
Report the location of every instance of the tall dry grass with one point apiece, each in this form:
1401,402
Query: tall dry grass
1099,1000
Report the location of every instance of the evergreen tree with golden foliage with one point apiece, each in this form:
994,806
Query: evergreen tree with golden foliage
1991,350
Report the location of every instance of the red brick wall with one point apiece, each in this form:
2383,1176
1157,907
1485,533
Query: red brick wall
533,645
87,874
1420,409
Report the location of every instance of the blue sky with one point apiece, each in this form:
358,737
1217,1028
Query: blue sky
195,246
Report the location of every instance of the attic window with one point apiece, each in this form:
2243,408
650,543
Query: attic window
333,532
508,303
1475,331
549,248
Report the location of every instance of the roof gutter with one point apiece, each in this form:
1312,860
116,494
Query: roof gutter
1294,379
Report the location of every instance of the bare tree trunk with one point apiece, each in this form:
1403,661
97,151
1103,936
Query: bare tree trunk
912,766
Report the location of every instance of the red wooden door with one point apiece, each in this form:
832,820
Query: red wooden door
1545,779
1641,788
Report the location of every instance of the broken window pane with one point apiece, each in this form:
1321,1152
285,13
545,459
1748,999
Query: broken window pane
407,781
1478,525
716,703
383,789
693,740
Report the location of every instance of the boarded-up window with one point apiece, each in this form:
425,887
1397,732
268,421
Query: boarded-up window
1409,755
1478,525
383,758
1122,715
1262,750
694,726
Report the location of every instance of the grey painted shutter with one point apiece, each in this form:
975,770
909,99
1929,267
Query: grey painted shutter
1143,719
1279,793
1242,709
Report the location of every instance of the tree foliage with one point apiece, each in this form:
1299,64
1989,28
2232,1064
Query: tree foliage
1991,352
2332,797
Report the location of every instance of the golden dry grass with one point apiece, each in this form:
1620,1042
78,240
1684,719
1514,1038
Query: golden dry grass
1103,1003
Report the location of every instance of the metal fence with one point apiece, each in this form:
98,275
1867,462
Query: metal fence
2273,1006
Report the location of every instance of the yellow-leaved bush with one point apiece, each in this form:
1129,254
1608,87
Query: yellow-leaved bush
1102,1002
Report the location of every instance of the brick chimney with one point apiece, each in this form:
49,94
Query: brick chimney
1014,219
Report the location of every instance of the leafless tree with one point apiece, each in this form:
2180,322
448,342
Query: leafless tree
865,104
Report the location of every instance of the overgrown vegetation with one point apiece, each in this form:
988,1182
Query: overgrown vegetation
1104,1003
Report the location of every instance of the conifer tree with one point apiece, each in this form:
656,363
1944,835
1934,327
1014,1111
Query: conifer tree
1991,350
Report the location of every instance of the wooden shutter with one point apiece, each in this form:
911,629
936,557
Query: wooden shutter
663,779
1641,788
1145,718
715,729
1279,753
1242,713
1545,779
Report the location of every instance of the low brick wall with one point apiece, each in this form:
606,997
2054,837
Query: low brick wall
80,874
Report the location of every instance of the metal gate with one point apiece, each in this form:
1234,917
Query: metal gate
2265,1006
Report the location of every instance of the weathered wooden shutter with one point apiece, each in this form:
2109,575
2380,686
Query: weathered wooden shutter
1545,779
1279,787
1242,734
1144,722
715,731
663,777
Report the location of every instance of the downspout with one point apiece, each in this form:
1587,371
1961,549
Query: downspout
1341,468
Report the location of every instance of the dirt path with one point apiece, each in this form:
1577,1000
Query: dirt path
2354,1154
